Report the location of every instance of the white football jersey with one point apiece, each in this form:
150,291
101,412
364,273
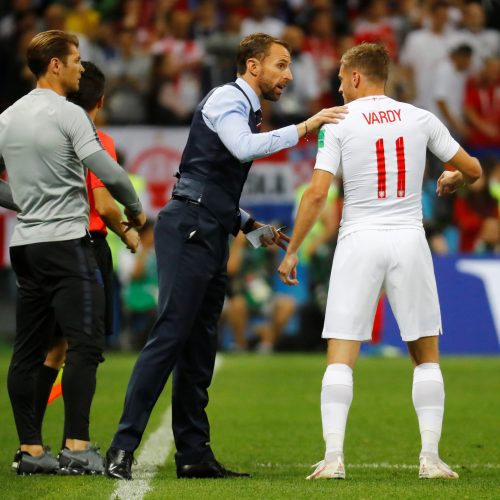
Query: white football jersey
380,149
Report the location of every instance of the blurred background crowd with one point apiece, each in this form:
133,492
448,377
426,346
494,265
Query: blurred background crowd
161,56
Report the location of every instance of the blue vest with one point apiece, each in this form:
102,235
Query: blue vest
209,174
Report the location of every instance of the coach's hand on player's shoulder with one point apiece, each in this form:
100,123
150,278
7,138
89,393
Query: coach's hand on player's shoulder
288,269
449,182
326,115
131,239
134,221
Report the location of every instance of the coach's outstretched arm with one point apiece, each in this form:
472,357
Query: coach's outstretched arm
118,184
468,171
6,199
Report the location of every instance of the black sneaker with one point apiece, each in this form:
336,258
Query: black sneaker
27,464
119,464
88,461
16,460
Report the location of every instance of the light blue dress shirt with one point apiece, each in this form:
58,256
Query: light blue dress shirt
226,113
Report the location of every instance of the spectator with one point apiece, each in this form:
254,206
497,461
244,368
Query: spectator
20,80
302,97
485,42
19,11
81,18
423,51
140,15
176,83
222,47
205,20
377,26
259,20
476,214
482,109
449,90
251,296
321,44
128,75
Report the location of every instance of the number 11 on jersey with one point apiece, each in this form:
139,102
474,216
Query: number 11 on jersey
382,175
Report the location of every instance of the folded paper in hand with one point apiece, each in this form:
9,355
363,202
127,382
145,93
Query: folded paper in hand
254,236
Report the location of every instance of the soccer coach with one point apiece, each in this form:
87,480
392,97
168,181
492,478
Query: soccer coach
46,143
191,243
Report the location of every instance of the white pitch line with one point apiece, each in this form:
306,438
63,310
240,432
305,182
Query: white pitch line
382,465
153,454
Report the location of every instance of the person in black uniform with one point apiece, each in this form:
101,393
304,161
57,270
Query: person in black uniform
191,243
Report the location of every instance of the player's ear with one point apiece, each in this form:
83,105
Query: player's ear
356,79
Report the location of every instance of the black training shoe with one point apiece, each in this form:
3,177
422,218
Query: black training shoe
16,460
119,464
210,469
27,464
78,463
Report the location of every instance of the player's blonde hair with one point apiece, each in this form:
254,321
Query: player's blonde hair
46,45
370,59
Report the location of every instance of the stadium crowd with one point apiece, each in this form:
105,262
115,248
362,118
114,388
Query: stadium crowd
161,56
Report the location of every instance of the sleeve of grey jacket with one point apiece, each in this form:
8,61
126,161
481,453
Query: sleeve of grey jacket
6,199
115,179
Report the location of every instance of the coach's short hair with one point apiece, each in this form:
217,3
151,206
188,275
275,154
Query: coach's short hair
371,59
91,87
256,45
46,45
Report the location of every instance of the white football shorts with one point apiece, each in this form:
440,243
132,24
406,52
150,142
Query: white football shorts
368,261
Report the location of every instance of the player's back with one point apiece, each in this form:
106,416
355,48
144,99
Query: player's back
381,146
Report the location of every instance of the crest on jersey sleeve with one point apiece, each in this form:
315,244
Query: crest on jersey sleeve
321,138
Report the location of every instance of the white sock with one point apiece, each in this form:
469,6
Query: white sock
428,400
336,398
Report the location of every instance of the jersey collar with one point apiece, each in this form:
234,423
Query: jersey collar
371,98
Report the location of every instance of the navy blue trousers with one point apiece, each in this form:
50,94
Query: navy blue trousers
192,250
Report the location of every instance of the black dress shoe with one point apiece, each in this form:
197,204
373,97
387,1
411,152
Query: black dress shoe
210,469
119,463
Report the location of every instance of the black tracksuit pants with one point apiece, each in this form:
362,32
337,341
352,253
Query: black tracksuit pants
58,283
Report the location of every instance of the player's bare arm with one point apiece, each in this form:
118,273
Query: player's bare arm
468,171
110,213
310,208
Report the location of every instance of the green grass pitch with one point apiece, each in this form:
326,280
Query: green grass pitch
266,420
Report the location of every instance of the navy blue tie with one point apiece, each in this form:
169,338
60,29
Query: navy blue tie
258,118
